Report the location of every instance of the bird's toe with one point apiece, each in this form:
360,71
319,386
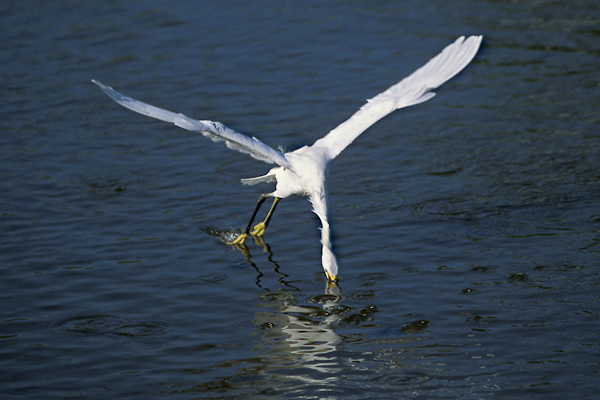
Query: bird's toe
240,239
259,229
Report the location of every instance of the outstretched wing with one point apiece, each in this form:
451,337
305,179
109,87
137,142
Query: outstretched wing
412,90
214,130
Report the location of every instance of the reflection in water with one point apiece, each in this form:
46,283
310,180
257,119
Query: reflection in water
266,249
298,342
299,351
296,336
227,236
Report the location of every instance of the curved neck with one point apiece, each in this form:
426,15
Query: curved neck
328,259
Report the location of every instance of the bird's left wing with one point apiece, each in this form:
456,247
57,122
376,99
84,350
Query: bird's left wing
214,130
414,89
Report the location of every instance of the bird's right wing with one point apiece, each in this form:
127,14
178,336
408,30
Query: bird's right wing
412,90
214,130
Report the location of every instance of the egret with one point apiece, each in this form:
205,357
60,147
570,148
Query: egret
303,171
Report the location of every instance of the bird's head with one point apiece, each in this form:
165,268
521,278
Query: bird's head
329,263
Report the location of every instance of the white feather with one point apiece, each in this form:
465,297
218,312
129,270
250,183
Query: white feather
302,172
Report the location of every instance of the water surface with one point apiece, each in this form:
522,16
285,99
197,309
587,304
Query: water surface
467,228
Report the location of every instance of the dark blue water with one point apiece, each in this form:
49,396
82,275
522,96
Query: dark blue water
467,228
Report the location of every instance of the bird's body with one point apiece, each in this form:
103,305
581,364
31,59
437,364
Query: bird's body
303,171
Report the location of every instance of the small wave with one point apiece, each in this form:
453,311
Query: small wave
102,324
454,208
89,325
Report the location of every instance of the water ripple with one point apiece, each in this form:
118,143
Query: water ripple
405,378
214,278
372,278
277,297
89,325
139,329
108,185
364,294
101,324
453,208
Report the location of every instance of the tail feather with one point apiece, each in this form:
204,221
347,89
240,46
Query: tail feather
259,179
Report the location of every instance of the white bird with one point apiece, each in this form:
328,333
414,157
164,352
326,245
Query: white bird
302,172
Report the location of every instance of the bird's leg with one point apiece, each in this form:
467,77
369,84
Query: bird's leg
240,239
259,229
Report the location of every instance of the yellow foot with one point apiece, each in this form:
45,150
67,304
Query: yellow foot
240,239
259,229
